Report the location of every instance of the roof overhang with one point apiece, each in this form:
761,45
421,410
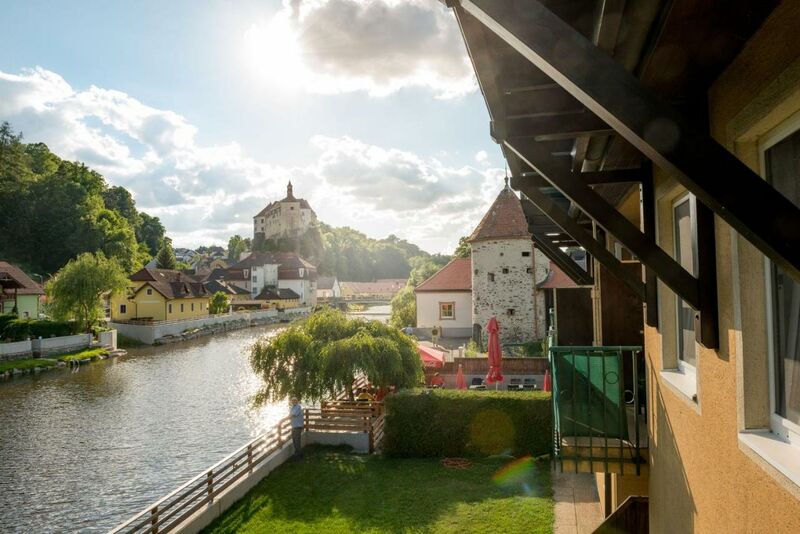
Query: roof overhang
581,94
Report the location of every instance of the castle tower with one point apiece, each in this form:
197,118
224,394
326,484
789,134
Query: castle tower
288,217
505,270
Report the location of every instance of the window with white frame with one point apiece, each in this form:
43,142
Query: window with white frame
781,159
684,219
447,310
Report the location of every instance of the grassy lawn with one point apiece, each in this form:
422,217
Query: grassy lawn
80,354
331,491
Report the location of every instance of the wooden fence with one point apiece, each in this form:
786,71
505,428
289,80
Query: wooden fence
339,416
511,366
169,512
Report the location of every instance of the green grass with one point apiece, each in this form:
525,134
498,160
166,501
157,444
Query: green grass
331,491
26,364
80,355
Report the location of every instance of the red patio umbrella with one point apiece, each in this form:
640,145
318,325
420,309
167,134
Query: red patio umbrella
461,382
548,381
430,357
495,354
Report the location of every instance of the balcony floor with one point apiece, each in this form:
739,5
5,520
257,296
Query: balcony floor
577,504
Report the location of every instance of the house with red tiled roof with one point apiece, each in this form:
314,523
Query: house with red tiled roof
18,292
445,300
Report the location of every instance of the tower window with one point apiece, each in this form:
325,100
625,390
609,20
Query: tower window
510,311
475,272
491,277
505,270
529,270
526,253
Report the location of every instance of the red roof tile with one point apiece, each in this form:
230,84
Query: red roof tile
504,220
455,276
557,279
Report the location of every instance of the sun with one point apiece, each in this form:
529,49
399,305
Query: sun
272,53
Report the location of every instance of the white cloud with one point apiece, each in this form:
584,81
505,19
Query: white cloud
204,194
377,46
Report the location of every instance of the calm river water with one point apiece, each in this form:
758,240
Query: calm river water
84,451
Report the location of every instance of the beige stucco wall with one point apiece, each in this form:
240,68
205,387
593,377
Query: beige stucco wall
702,478
428,309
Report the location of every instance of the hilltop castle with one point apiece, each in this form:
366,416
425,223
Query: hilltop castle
288,217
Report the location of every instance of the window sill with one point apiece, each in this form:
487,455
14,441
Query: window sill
681,382
783,456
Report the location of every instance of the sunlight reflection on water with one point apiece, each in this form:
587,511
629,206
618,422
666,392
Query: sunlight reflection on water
84,451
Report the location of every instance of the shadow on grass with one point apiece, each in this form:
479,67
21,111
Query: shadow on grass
331,490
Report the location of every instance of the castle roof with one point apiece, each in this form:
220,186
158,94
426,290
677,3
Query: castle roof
504,220
304,205
455,276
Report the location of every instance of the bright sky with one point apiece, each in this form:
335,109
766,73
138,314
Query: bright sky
204,110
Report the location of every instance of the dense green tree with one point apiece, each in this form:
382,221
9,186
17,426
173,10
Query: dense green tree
118,241
422,271
77,290
150,232
120,200
165,259
404,308
323,355
236,246
219,303
464,249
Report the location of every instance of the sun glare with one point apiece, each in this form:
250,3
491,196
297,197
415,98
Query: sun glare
272,53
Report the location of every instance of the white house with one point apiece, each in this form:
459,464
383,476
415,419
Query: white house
445,300
328,287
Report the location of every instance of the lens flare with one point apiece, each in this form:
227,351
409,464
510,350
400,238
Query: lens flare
518,474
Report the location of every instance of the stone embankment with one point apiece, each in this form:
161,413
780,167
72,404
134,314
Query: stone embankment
38,365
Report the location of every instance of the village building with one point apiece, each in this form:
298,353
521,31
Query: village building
279,298
445,300
18,292
288,217
272,270
328,287
383,289
677,172
160,295
237,295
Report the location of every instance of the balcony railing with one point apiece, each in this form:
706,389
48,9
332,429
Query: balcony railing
598,409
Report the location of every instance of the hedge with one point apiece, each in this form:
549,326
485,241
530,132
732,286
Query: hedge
21,329
436,423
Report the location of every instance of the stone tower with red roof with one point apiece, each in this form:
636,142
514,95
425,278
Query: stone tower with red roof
505,270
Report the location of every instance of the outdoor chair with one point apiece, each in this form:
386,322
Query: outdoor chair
530,383
515,384
477,383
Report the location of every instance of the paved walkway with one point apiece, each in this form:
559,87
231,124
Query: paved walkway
577,509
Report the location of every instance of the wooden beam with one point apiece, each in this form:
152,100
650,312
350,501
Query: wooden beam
671,272
565,127
560,217
659,132
604,177
564,262
647,216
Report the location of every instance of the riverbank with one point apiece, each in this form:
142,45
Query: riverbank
167,332
37,365
127,429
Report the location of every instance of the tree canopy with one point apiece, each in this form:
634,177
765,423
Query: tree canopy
219,303
464,249
165,259
52,210
322,356
76,291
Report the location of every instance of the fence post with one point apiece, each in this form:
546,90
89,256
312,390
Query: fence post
305,420
210,484
154,520
370,429
250,457
280,433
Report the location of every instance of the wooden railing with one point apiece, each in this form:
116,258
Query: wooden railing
169,512
347,416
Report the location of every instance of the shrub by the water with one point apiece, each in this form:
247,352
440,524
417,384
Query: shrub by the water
467,423
21,329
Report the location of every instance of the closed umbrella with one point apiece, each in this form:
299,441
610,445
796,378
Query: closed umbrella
461,382
495,354
548,381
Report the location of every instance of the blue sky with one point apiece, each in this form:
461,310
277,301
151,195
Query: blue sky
205,109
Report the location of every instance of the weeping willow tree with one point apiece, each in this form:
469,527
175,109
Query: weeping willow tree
322,357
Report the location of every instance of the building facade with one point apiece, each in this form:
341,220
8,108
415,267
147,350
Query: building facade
445,300
288,217
18,292
505,270
160,295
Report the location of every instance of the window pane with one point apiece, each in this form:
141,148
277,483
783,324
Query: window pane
684,253
783,171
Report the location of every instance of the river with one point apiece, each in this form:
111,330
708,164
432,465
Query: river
84,451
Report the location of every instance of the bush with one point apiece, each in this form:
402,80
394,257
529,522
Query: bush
467,423
20,329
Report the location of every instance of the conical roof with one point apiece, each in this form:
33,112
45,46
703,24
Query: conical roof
504,220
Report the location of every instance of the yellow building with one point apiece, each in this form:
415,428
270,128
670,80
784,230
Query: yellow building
282,298
666,133
160,295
